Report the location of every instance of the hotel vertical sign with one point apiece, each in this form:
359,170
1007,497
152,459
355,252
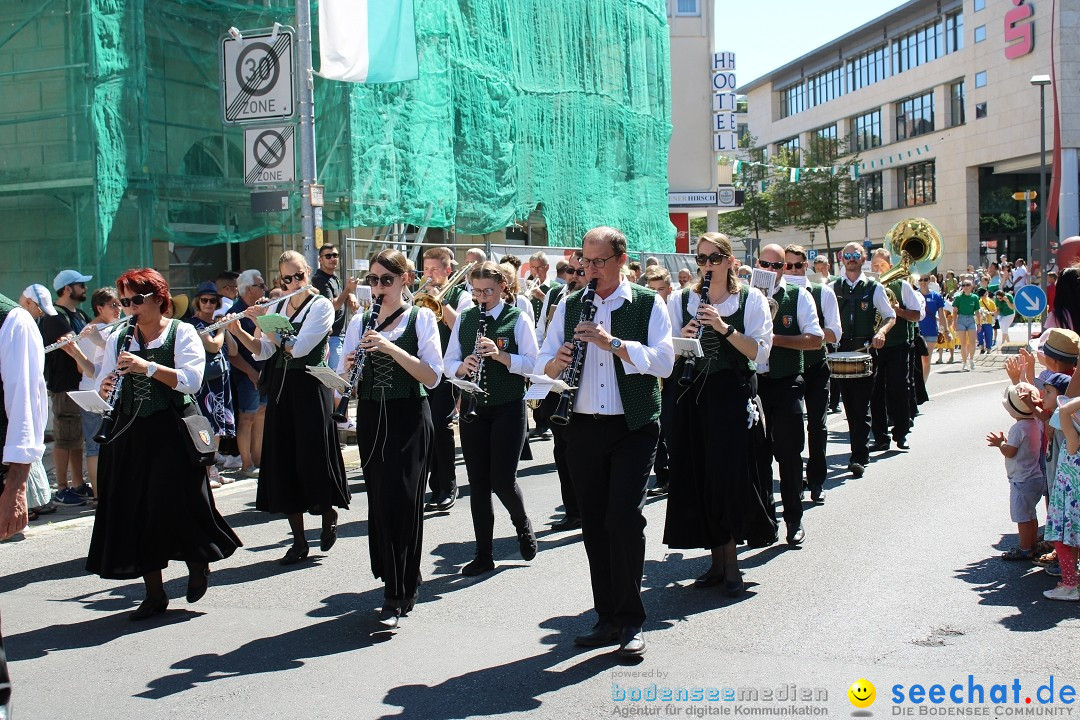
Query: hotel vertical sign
725,131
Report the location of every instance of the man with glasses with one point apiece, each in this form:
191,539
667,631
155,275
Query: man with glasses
250,400
538,272
612,435
860,300
780,387
326,282
816,370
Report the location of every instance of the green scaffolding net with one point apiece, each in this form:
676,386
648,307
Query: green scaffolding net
111,135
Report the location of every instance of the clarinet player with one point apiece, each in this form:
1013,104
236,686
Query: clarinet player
499,348
613,429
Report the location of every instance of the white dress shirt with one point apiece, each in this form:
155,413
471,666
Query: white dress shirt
541,325
428,343
881,301
757,318
188,351
913,299
598,392
26,401
317,318
95,353
806,315
521,363
830,308
525,306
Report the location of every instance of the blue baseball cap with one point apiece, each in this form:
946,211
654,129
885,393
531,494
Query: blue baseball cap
69,277
1058,381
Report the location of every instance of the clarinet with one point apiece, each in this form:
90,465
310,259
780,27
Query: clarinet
468,408
687,378
341,413
572,376
108,420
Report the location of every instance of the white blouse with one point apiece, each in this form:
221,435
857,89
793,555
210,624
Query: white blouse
757,318
429,346
521,363
317,318
188,351
26,401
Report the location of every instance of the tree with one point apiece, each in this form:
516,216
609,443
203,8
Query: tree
824,192
756,214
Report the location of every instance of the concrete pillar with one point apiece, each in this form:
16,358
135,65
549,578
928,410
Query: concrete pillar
1069,199
942,107
711,215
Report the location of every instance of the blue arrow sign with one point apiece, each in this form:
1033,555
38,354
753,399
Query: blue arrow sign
1030,301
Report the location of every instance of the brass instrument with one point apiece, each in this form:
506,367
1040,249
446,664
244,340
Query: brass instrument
916,247
433,301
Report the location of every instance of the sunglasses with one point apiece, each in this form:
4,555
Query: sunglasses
136,299
714,259
580,272
852,256
375,280
205,300
289,279
923,281
333,256
260,285
796,265
765,264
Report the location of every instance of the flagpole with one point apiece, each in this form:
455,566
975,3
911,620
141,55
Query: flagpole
307,130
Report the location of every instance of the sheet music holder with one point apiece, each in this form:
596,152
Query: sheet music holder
467,386
687,347
89,401
763,280
553,384
329,378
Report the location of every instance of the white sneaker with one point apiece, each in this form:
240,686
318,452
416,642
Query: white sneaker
1063,592
349,426
964,368
252,473
232,462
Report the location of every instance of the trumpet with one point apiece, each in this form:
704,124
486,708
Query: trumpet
468,405
233,317
341,413
433,301
75,338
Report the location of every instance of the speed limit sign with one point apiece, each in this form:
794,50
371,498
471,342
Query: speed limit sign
257,78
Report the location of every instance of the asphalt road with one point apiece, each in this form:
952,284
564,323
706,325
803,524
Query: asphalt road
898,582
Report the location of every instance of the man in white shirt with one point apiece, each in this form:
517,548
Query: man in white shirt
1019,275
613,428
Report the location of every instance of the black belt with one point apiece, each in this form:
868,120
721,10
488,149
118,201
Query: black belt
599,416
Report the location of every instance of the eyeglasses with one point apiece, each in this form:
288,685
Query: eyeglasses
714,259
332,256
136,299
205,300
923,280
385,280
852,256
796,265
486,292
770,265
259,285
597,263
580,272
289,279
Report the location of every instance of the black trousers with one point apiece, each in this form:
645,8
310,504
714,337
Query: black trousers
661,466
491,444
785,436
610,465
542,414
566,481
816,388
5,682
891,402
856,394
443,477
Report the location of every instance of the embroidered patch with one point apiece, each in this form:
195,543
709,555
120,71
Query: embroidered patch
864,305
787,319
502,343
205,437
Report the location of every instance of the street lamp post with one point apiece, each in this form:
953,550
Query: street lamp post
1044,245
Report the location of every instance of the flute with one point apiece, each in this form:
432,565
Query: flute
229,319
75,338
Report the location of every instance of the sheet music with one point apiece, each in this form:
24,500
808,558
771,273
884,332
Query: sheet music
763,280
687,346
274,323
538,391
329,378
89,401
554,384
467,386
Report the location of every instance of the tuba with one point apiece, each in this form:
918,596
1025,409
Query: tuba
916,247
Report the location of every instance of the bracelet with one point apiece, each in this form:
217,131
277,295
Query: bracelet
730,331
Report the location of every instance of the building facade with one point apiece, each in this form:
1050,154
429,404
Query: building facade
937,100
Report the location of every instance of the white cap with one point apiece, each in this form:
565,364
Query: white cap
40,295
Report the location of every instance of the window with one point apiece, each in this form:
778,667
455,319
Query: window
915,116
979,5
920,46
866,131
790,145
824,145
956,99
980,110
743,129
980,33
916,185
867,195
954,33
687,7
867,69
980,79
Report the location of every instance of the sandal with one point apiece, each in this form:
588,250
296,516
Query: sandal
31,515
1014,554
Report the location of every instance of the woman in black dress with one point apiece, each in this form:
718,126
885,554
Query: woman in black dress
715,500
302,470
401,355
155,505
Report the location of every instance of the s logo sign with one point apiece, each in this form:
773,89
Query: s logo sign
1019,35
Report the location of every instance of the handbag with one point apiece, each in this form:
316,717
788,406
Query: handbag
215,366
200,440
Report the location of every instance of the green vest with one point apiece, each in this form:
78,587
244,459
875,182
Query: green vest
903,332
786,362
857,312
538,305
141,396
816,357
317,356
452,298
383,378
502,385
640,394
6,306
716,357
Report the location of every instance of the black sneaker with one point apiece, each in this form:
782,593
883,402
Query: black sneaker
478,566
84,490
660,489
527,542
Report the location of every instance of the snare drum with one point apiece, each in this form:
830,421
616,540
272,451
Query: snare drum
845,365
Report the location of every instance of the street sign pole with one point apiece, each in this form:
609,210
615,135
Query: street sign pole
307,130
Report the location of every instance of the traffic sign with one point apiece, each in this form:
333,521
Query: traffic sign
269,155
257,77
811,254
1030,301
1023,196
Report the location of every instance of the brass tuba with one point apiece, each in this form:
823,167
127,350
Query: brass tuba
433,301
915,246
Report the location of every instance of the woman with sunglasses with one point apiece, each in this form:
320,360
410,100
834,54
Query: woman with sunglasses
155,505
715,499
215,396
401,354
302,470
491,441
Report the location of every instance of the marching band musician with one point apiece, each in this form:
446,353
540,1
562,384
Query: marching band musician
538,282
302,470
155,505
715,499
491,442
612,435
860,300
401,365
795,329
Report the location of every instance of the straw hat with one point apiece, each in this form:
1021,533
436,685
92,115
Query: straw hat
1016,406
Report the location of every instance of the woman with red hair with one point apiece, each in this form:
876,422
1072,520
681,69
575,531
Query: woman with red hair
155,504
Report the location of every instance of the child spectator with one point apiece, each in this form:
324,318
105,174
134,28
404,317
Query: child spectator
1022,451
985,317
1063,519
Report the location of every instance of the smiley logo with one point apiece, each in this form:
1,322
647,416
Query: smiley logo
862,693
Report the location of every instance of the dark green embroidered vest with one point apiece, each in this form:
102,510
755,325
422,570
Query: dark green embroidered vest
141,396
452,298
903,332
786,362
502,385
716,357
816,357
640,394
857,311
317,356
6,306
383,378
538,305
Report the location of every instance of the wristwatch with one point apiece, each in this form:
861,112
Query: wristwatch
730,331
616,343
151,369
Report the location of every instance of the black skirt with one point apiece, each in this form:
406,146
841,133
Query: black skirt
714,494
155,505
395,439
302,470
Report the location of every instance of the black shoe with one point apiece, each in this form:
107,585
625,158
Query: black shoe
328,537
903,444
817,495
294,555
527,542
796,535
150,607
856,469
569,522
446,502
603,633
434,504
660,489
478,566
389,616
734,588
708,580
834,410
198,582
631,642
880,446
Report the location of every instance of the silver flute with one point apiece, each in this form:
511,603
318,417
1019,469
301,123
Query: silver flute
75,338
231,318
